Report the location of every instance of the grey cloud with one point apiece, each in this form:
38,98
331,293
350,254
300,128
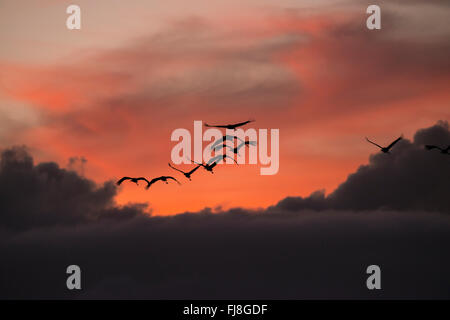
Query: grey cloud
410,178
44,194
240,255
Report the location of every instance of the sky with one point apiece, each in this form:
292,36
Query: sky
81,108
114,91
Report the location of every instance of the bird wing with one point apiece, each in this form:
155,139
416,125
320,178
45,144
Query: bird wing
193,170
153,181
211,166
176,169
241,123
431,147
169,177
122,180
448,148
374,143
200,164
225,156
394,142
214,159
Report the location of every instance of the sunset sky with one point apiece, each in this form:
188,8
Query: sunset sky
79,109
114,91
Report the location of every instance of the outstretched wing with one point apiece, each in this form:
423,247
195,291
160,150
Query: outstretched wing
122,180
176,169
447,149
211,166
172,178
193,170
431,147
242,123
152,182
374,143
394,142
214,159
200,164
225,156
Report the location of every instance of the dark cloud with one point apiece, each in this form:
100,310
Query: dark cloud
234,255
44,194
314,247
410,178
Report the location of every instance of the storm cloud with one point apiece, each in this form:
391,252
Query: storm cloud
410,178
391,212
45,194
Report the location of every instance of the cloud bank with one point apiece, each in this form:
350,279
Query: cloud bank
409,178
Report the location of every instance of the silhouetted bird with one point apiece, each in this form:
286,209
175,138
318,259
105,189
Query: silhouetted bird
229,126
207,167
186,174
135,180
162,178
386,149
444,151
224,139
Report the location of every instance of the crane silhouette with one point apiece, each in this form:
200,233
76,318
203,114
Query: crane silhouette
186,174
229,126
135,180
207,167
444,151
386,149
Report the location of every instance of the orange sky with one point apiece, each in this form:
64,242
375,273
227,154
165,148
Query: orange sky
114,91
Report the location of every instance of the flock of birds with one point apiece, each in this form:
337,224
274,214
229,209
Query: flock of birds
427,146
210,165
220,144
